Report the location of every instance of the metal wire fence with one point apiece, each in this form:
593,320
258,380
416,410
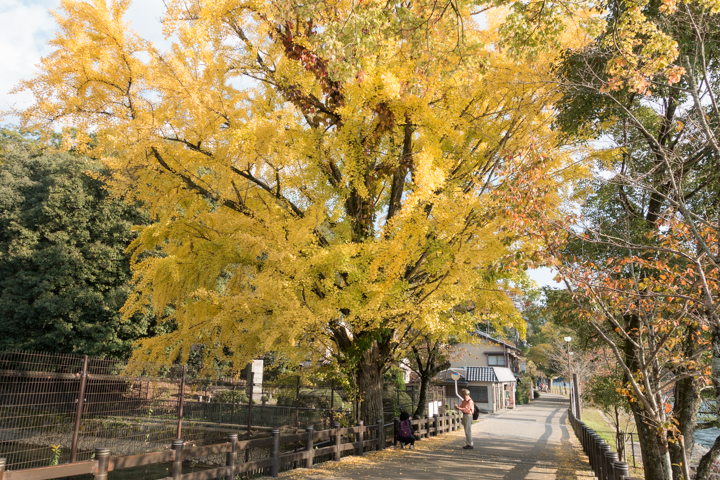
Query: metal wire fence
57,408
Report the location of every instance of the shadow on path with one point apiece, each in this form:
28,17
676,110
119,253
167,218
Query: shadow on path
531,442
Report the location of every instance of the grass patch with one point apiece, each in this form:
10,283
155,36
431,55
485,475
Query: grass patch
594,420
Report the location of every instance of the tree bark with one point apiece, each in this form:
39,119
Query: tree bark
422,396
619,436
653,444
704,468
686,406
370,384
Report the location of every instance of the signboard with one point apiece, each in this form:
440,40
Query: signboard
434,408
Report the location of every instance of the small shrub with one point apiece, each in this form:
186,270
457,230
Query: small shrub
55,455
230,396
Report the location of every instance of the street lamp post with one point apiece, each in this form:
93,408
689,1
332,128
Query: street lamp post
568,340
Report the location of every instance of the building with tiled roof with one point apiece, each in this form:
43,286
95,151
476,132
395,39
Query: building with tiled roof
489,368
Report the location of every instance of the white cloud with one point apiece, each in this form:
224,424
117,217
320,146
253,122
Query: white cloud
544,277
28,26
144,17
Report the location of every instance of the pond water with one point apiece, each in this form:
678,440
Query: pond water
707,436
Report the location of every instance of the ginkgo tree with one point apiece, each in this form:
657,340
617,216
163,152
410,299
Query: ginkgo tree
325,176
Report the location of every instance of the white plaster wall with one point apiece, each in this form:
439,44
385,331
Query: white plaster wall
466,355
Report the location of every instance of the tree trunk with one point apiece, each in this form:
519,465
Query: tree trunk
703,470
370,385
686,406
619,436
434,364
652,449
653,445
422,397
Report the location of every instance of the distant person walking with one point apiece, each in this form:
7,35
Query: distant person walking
467,407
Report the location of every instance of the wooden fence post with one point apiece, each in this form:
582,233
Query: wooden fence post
435,421
396,430
610,460
592,444
297,405
577,393
604,451
338,439
275,453
309,447
332,400
361,449
176,472
79,410
381,434
181,402
622,470
102,457
232,456
250,403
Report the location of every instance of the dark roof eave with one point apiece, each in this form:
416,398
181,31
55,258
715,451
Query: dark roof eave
483,334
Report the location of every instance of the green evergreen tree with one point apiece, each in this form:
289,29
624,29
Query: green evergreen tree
64,272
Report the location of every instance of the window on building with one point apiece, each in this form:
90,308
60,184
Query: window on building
496,360
479,394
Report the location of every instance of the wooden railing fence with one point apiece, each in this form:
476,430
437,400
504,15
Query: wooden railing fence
356,439
604,462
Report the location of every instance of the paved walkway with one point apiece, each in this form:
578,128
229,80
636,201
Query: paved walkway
532,442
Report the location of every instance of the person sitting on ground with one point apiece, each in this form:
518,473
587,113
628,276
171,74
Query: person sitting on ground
467,407
405,431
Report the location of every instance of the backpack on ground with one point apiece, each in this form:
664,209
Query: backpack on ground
476,412
406,429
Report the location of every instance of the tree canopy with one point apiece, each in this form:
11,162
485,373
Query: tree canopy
64,270
326,176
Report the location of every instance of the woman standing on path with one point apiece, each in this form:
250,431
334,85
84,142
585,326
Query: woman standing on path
467,407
